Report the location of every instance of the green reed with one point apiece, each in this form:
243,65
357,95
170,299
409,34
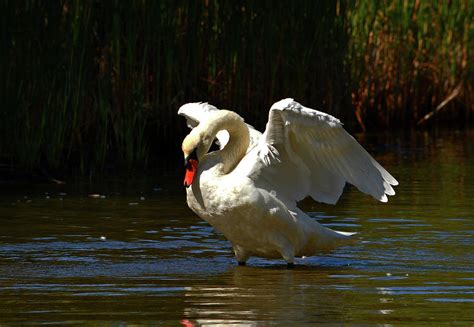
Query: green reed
95,85
406,57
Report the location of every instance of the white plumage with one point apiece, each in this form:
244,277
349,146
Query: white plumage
249,189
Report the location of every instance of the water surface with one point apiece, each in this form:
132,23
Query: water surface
133,253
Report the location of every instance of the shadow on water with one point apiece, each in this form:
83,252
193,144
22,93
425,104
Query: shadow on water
120,252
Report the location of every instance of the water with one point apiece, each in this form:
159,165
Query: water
135,254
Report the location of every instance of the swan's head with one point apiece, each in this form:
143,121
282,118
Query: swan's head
220,124
195,147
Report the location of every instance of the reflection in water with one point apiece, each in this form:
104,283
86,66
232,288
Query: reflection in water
250,295
136,254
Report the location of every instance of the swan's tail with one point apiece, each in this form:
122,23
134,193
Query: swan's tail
342,238
326,239
346,234
321,239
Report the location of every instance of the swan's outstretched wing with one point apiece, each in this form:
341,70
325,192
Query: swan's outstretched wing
305,152
197,112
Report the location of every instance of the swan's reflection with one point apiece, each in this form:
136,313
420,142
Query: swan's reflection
247,296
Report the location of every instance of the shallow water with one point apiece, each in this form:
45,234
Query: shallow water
135,254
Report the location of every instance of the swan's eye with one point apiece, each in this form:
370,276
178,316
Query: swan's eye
192,156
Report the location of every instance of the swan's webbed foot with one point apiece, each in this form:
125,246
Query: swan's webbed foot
241,255
290,265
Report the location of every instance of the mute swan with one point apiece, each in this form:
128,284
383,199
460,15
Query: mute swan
248,189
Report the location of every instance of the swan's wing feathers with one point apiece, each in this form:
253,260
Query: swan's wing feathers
319,155
196,112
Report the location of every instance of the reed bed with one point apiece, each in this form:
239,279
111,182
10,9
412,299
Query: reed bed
407,57
92,86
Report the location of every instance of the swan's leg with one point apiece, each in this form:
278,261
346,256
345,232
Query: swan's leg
288,253
241,255
290,264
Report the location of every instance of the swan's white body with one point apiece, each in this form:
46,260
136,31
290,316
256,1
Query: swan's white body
248,190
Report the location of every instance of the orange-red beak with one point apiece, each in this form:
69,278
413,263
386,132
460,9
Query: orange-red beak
191,163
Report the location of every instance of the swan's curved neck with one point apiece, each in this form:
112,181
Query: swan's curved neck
239,137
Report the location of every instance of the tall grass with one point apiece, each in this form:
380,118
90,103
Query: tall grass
406,57
90,83
93,85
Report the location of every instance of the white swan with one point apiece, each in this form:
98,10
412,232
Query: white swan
248,189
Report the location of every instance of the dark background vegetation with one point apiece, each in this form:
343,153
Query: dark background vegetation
89,86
